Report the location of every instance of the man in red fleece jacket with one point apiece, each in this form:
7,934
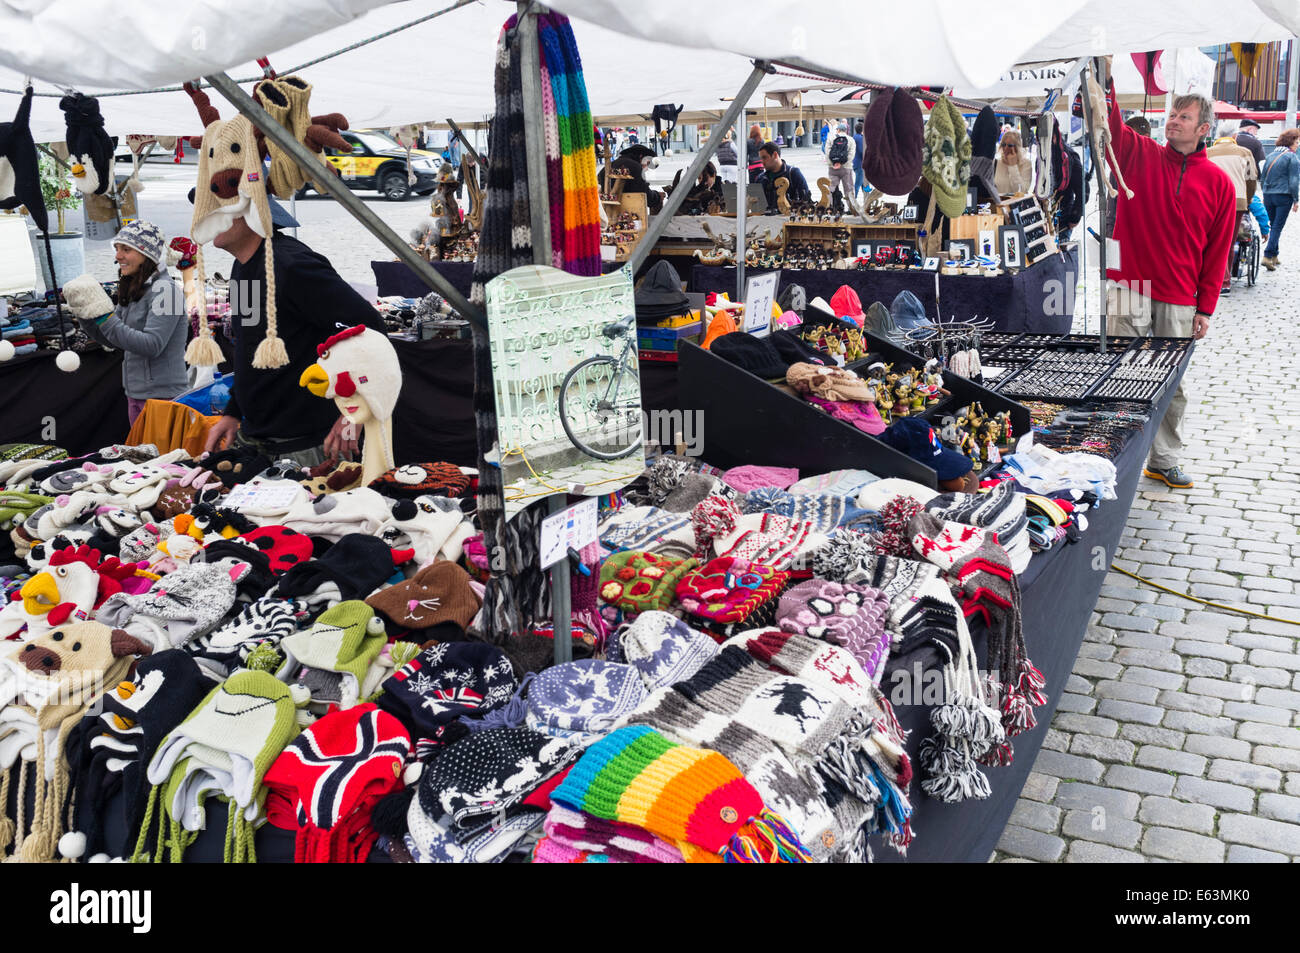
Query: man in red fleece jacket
1174,236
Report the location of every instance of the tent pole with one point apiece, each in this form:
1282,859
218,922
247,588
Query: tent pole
692,173
1099,166
534,137
459,133
345,197
1293,81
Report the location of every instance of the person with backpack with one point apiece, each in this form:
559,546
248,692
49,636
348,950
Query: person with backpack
859,177
1280,183
839,156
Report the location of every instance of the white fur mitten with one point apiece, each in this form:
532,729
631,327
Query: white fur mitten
87,298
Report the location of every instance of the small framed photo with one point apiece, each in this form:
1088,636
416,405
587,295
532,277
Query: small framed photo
1011,240
909,213
972,198
959,251
988,244
931,264
862,250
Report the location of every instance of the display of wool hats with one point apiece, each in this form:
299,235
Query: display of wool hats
893,136
945,159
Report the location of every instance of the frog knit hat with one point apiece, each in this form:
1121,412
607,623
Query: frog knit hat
231,185
636,581
690,797
224,747
346,640
946,157
327,781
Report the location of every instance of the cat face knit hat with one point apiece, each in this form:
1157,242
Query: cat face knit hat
448,681
662,649
232,185
422,479
842,613
636,581
693,798
582,699
328,780
946,157
436,594
224,747
893,135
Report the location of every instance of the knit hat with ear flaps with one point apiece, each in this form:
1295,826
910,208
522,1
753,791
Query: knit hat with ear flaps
893,135
636,581
946,157
346,640
850,615
361,361
20,175
662,648
446,682
420,479
437,593
87,143
144,237
582,699
231,185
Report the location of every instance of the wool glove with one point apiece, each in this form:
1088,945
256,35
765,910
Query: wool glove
87,298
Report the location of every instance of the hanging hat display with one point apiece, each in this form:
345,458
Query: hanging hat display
90,148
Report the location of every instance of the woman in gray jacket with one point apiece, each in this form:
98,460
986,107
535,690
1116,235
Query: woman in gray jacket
149,323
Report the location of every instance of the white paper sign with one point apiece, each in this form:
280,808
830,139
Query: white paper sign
267,496
1112,254
760,292
573,527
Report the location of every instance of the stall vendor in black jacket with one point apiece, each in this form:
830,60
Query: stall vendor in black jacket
268,410
631,161
774,167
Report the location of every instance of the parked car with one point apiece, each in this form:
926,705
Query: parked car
377,161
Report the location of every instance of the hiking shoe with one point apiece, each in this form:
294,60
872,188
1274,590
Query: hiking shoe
1269,263
1172,476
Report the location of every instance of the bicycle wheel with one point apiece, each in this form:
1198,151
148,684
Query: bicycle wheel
1235,259
1252,266
598,414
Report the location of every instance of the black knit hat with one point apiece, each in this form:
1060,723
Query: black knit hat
86,139
984,136
357,563
18,148
660,293
892,140
756,355
794,349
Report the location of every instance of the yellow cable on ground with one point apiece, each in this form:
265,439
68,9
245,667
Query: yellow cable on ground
1204,602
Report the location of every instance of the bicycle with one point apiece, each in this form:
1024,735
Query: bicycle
593,391
1246,250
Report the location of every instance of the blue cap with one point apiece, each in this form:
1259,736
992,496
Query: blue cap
916,438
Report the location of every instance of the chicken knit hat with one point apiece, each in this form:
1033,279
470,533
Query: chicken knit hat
224,747
691,797
231,185
359,361
946,157
328,780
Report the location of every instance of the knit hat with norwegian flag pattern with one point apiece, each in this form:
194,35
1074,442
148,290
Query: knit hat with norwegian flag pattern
328,780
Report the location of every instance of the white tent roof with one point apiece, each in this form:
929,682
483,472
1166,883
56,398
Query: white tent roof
634,55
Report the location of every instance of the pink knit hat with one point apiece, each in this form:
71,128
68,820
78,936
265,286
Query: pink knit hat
750,477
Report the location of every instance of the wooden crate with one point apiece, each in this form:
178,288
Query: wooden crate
968,227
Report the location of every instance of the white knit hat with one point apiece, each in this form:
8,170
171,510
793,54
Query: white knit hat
361,361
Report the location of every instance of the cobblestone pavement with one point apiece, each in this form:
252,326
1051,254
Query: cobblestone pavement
1176,738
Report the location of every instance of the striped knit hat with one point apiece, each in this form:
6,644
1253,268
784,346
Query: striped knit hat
693,798
1001,511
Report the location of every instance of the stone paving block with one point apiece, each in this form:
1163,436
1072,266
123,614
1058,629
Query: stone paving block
1165,759
1152,677
1237,854
1201,724
1182,846
1126,691
1216,746
1165,613
1036,816
1080,704
1256,776
1218,793
1267,659
1130,711
1285,759
1261,832
1219,651
1101,828
1279,807
1089,724
1076,796
1278,698
1205,667
1200,704
1147,658
1102,651
1147,735
1274,735
1195,633
1034,845
1218,688
1093,668
1166,812
1258,640
1139,779
1086,852
1144,640
1254,675
1245,711
1078,685
1040,787
1103,749
1128,623
1066,766
1215,619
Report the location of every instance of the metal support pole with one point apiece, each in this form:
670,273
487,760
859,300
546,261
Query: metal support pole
692,173
1099,166
561,596
1292,84
358,209
742,202
458,133
534,136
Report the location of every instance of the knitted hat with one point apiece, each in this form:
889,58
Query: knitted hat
445,682
692,798
114,748
835,482
793,298
659,293
847,305
583,698
264,622
90,150
575,837
433,527
754,354
224,747
843,613
418,479
831,383
489,772
984,135
337,514
361,361
751,477
183,605
284,547
893,136
352,568
144,237
436,594
875,495
636,581
727,590
946,157
231,185
345,640
916,438
22,185
794,349
1001,510
860,414
328,780
662,648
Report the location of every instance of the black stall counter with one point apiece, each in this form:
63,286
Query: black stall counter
81,411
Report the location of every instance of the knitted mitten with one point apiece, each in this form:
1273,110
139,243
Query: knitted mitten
86,298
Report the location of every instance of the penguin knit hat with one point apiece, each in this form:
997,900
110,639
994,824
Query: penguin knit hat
583,698
893,136
232,185
636,581
946,157
436,594
327,781
224,747
695,799
662,648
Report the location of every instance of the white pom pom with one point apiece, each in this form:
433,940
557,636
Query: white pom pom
72,844
102,858
68,361
412,773
6,350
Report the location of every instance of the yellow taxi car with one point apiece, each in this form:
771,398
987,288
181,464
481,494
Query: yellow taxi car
377,161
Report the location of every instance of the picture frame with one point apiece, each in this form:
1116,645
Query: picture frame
1011,242
972,198
862,249
909,213
988,243
931,264
958,251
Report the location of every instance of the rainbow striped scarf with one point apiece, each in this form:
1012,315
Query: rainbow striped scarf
570,150
693,798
